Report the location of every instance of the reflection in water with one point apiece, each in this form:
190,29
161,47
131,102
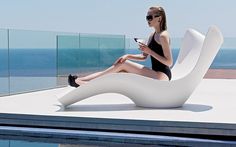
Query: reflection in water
19,143
77,145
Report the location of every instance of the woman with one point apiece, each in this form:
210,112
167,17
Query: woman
157,47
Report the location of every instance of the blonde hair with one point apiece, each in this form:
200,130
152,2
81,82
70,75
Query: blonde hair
160,11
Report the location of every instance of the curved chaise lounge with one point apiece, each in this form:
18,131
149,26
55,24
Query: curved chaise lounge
195,57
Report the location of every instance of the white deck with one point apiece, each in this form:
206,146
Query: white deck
212,105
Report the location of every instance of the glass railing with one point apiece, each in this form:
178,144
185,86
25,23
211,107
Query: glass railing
37,60
86,53
32,60
4,62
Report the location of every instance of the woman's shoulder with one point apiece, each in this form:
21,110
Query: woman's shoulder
164,34
165,37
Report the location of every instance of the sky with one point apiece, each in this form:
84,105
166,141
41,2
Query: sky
124,17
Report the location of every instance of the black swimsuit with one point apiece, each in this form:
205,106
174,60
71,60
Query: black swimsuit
157,65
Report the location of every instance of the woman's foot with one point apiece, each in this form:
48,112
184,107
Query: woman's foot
75,76
71,81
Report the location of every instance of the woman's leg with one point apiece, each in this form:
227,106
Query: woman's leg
132,67
113,69
127,66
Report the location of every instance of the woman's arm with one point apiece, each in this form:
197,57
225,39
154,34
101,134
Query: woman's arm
138,57
143,56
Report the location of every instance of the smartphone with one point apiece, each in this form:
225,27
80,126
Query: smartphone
138,40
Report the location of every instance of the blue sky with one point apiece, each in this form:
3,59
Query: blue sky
116,16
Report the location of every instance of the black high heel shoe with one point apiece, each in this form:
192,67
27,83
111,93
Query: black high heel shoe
71,81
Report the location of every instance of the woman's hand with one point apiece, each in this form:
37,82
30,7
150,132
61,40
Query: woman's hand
122,59
144,48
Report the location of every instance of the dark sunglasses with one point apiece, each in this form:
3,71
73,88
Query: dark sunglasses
151,17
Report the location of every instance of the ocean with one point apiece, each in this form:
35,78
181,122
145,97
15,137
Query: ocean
49,62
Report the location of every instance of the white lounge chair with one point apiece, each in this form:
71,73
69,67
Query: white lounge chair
195,57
